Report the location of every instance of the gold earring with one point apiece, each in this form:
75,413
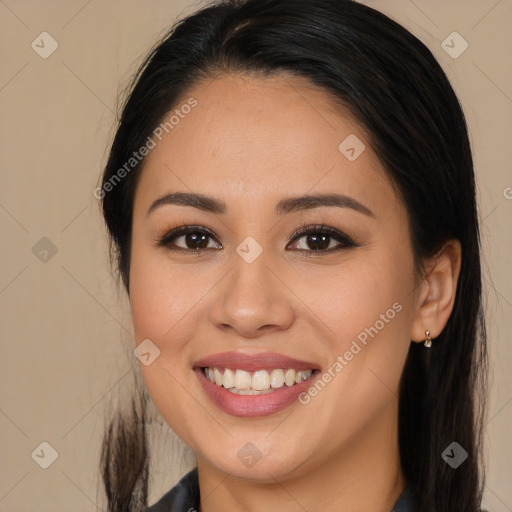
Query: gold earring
428,341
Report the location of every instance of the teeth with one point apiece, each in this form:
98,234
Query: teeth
244,383
260,380
300,376
277,378
218,377
249,391
229,379
242,379
289,377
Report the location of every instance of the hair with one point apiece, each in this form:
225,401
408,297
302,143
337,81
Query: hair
397,91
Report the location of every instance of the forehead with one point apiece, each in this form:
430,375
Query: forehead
259,139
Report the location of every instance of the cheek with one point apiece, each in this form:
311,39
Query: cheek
369,310
161,301
159,294
370,295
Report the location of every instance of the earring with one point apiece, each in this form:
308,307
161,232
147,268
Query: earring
428,341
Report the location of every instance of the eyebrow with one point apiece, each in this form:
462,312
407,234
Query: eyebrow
288,205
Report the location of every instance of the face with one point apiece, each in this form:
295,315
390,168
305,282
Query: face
243,288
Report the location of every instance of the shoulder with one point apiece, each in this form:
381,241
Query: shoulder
406,502
183,497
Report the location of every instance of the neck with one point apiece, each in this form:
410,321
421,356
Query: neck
363,474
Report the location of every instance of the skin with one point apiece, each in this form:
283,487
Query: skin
251,142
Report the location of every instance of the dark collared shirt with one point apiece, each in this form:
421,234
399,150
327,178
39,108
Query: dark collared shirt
184,497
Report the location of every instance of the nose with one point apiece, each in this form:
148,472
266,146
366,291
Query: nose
253,299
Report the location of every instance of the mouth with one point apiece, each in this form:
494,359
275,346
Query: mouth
254,385
242,382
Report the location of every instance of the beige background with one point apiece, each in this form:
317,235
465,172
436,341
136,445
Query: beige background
65,335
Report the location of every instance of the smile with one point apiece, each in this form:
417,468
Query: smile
242,382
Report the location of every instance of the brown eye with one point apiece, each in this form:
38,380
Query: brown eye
318,239
190,238
322,239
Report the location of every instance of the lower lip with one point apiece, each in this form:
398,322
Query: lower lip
252,406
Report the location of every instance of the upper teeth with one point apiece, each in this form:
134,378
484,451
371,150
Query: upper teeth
243,382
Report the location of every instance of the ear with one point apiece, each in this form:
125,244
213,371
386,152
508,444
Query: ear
437,291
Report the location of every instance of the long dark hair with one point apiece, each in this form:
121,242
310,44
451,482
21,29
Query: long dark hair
396,89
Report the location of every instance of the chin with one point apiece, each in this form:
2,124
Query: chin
257,467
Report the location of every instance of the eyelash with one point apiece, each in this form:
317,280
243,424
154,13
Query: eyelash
316,229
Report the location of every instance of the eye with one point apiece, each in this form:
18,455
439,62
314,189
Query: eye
319,238
193,238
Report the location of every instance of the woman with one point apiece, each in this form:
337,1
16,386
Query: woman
291,202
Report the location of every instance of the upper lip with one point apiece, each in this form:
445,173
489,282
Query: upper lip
253,362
